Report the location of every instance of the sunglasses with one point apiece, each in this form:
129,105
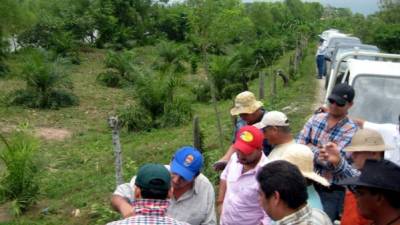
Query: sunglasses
331,101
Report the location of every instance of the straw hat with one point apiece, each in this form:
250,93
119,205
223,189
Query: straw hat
245,102
366,140
302,156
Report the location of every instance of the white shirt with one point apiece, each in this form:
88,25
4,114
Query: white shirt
196,206
391,136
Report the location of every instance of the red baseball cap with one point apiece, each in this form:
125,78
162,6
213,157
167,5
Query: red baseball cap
248,139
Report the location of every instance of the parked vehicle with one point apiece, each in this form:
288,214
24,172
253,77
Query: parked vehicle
332,42
376,83
343,48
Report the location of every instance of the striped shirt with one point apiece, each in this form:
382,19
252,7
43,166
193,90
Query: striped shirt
306,216
149,212
317,133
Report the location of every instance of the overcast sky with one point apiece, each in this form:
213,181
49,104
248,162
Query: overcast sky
360,6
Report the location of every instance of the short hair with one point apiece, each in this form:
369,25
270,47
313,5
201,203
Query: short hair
285,178
284,129
152,193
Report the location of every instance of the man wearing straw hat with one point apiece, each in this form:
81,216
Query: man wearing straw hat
250,111
366,144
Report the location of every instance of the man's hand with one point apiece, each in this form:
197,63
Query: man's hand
359,122
330,153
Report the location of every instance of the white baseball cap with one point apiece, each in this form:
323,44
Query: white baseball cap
273,118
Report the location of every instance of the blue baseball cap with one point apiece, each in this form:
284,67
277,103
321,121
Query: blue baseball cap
187,162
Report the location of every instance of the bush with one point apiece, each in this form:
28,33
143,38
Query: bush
3,45
176,112
135,118
202,91
121,69
171,57
157,104
19,182
47,86
110,79
231,90
53,100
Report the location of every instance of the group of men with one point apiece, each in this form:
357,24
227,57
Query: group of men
335,169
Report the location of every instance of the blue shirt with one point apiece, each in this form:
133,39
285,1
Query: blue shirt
314,201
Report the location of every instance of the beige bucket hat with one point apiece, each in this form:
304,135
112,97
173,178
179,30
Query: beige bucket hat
302,156
366,140
245,102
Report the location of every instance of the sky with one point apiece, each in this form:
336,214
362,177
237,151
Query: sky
365,7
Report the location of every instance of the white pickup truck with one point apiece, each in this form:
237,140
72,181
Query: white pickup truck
376,84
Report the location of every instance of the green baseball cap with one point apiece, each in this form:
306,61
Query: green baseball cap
153,176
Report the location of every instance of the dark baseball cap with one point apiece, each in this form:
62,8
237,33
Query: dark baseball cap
342,93
380,174
153,176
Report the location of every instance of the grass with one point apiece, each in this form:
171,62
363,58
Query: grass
78,173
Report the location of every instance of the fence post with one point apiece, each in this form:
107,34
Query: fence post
114,124
273,83
261,81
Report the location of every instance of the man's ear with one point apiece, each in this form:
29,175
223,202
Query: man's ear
138,192
350,104
171,192
276,198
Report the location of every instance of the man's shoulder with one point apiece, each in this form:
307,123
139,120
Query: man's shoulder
202,180
146,220
319,217
319,116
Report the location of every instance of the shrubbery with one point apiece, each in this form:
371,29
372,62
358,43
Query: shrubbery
47,85
120,69
157,106
19,182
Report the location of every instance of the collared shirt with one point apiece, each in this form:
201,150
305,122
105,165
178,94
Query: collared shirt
322,48
241,206
196,206
149,212
306,216
391,136
317,133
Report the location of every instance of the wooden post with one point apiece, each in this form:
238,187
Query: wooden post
261,81
196,134
273,83
114,124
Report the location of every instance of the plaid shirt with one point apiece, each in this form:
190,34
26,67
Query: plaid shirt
306,216
149,212
317,133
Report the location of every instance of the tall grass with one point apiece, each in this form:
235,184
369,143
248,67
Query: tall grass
19,182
